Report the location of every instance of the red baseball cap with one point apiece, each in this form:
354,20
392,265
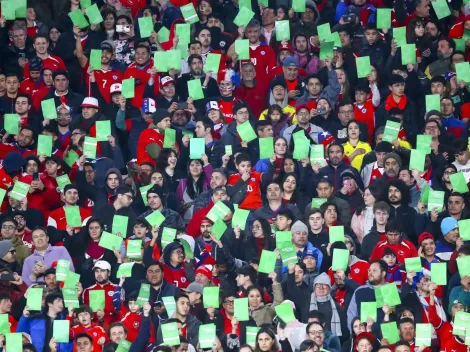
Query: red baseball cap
286,47
424,236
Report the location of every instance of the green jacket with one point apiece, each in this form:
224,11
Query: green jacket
22,250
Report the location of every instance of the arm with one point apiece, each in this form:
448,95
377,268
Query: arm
82,59
375,95
277,292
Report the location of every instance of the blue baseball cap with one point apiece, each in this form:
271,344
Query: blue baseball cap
290,62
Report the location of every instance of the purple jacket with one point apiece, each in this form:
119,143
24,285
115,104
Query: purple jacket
208,169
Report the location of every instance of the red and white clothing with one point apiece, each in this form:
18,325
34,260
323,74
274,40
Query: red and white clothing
142,76
110,315
176,276
96,332
359,271
148,136
132,323
57,218
52,62
28,86
253,195
366,113
264,59
404,249
104,80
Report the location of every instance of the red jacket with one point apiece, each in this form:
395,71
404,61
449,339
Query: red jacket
142,76
132,323
110,315
94,331
255,97
57,218
53,63
148,136
403,250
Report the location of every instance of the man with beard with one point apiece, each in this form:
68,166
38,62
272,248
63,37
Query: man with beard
156,201
175,269
22,145
22,231
365,293
312,131
33,82
445,49
275,204
218,179
8,232
455,209
102,272
344,287
181,117
375,170
290,74
207,248
391,170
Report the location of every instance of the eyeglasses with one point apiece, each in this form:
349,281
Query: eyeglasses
228,301
449,173
316,332
346,112
13,251
8,227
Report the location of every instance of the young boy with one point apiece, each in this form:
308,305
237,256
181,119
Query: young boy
249,181
129,312
84,316
364,107
284,220
394,274
462,159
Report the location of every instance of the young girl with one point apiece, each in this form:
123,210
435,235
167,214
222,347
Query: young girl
416,35
280,150
394,274
278,119
354,149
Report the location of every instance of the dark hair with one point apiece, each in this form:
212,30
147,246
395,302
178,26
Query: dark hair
307,328
241,158
335,144
352,326
269,241
325,206
162,160
316,314
159,264
302,266
350,123
51,297
83,309
140,46
83,334
404,321
9,219
127,18
449,41
4,296
307,345
462,146
393,225
465,249
195,187
117,324
181,295
274,107
270,332
382,264
398,344
192,57
286,212
381,205
39,35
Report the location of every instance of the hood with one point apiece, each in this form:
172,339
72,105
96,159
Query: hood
168,249
169,44
278,81
311,4
309,46
112,171
404,190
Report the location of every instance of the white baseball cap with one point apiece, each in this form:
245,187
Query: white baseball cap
90,102
102,264
116,87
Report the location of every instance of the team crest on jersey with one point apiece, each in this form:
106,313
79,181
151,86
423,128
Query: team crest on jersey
136,324
253,179
183,279
110,293
115,77
357,270
263,52
364,110
222,44
401,252
95,334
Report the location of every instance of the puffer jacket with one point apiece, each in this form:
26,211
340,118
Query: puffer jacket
307,61
265,313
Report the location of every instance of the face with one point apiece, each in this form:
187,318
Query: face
274,192
71,196
248,73
335,154
252,33
196,67
310,263
381,217
393,237
8,230
157,179
369,199
289,165
12,84
316,221
19,38
20,220
154,275
290,184
438,88
101,276
195,49
112,181
406,177
398,89
455,205
256,229
341,76
391,168
331,215
282,222
308,15
353,131
278,93
443,49
242,115
462,157
280,147
280,13
265,342
177,256
322,290
89,173
314,86
244,166
61,83
407,331
303,116
214,22
5,305
40,239
95,231
402,348
452,236
41,45
228,304
226,88
254,298
375,276
346,114
205,38
84,318
183,306
316,334
142,56
2,83
117,333
89,112
431,30
371,36
358,327
324,190
364,345
432,129
394,195
154,201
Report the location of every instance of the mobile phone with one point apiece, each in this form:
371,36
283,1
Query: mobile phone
321,110
127,29
120,28
36,176
181,106
278,320
7,277
158,304
349,18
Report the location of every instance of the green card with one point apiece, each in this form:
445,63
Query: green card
413,265
120,225
85,4
324,32
72,215
243,17
282,30
163,35
336,234
195,89
72,280
242,48
144,295
326,50
128,88
125,269
189,13
161,62
155,218
20,190
239,218
317,202
391,292
459,44
124,346
439,273
267,262
71,157
417,160
145,26
8,10
384,18
399,35
218,211
317,154
78,19
183,31
368,310
240,306
110,241
459,184
363,66
4,324
301,149
34,301
463,264
212,63
244,3
170,305
96,300
336,39
246,132
94,14
298,5
461,323
425,194
187,249
20,8
436,200
174,59
11,123
134,249
463,71
288,254
391,131
170,334
441,8
219,228
228,150
62,268
210,297
170,138
423,335
390,332
464,229
285,312
408,54
143,192
168,236
283,239
423,142
49,110
433,102
89,147
14,341
44,145
340,259
103,130
207,334
251,332
197,147
266,147
61,329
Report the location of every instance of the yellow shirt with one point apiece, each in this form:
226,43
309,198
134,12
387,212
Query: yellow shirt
357,161
288,110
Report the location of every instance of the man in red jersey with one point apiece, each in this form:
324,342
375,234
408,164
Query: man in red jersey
252,90
151,139
41,45
84,316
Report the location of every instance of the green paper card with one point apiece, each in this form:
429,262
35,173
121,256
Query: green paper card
267,262
210,297
463,71
174,59
218,211
145,27
301,149
243,17
463,264
161,62
72,280
459,184
125,269
144,295
20,8
170,138
439,273
168,236
417,160
62,268
72,216
85,4
324,32
163,35
195,89
170,305
423,335
4,324
71,157
283,239
14,342
436,200
461,323
459,44
391,131
251,332
242,48
441,8
336,234
183,31
408,54
170,334
218,229
187,249
155,218
433,102
413,265
239,218
60,330
49,110
282,30
128,88
246,132
206,334
120,225
11,123
189,13
317,202
103,130
94,14
240,306
34,301
391,292
8,10
228,150
288,255
399,35
384,18
425,194
44,145
298,5
363,66
266,147
124,346
110,241
390,332
197,147
326,50
134,249
285,312
20,190
340,259
89,147
368,310
143,192
464,229
244,3
212,63
423,142
78,19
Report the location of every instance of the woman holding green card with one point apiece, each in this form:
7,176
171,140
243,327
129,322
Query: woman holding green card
264,313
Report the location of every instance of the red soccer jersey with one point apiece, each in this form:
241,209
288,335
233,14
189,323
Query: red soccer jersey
96,332
57,218
52,62
28,86
148,136
253,196
142,76
366,114
403,250
104,80
132,323
264,59
109,313
175,277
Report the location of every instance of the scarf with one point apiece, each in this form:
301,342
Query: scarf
391,103
335,320
94,250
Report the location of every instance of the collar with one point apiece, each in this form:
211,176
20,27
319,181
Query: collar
57,95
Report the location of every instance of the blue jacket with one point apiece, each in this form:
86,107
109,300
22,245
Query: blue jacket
309,247
35,326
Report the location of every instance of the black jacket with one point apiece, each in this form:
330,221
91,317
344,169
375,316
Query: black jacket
300,295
